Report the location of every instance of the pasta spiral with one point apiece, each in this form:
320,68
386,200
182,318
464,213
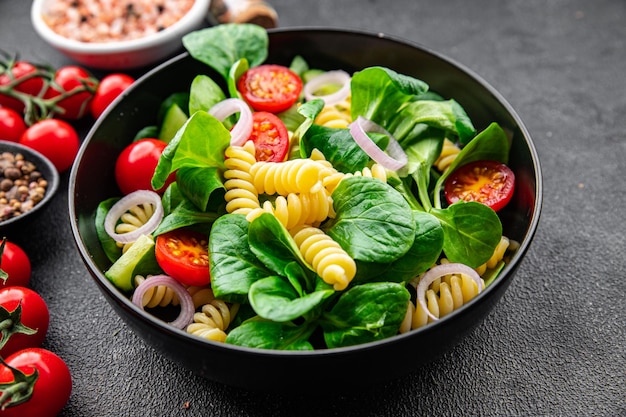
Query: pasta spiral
498,255
449,151
443,297
293,176
241,195
133,219
297,209
159,296
212,321
335,116
325,255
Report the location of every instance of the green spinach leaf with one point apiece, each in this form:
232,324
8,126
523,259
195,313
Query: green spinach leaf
204,94
262,334
365,313
373,221
221,46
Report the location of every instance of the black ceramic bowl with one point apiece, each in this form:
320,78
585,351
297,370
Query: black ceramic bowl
92,180
47,170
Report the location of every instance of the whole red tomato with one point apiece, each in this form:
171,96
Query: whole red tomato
11,124
26,318
32,84
66,80
41,372
15,267
55,139
110,87
135,166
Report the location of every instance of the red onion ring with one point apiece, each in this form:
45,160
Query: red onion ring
242,130
396,157
440,271
186,302
330,77
123,205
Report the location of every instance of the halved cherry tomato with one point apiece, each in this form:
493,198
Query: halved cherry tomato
32,84
270,137
489,182
135,166
15,267
183,254
272,88
67,79
11,124
45,384
55,139
110,87
34,315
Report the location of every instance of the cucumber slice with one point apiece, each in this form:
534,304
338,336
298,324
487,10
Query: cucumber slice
173,120
121,272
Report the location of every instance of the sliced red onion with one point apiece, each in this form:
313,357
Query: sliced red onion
396,157
339,77
439,271
242,130
186,302
127,202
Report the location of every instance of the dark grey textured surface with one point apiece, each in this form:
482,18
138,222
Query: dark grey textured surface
555,344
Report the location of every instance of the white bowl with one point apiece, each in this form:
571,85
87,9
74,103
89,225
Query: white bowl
122,55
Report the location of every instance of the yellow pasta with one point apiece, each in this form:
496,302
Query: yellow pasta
335,116
212,321
297,209
293,176
326,256
159,296
449,152
133,219
241,194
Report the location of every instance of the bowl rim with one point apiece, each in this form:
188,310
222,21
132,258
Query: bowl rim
162,326
198,12
53,178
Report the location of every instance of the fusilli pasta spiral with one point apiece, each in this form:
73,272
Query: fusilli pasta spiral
326,256
241,194
335,116
133,219
159,296
449,152
293,176
212,321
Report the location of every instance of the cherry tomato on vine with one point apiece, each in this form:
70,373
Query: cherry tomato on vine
43,373
135,166
67,79
489,182
270,137
31,85
26,318
55,139
110,87
15,267
11,124
270,87
183,254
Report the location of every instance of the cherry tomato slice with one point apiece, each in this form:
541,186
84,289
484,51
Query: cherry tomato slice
135,166
11,124
270,137
272,88
52,387
15,264
35,316
183,254
488,182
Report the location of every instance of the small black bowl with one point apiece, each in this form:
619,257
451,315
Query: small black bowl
47,170
92,180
